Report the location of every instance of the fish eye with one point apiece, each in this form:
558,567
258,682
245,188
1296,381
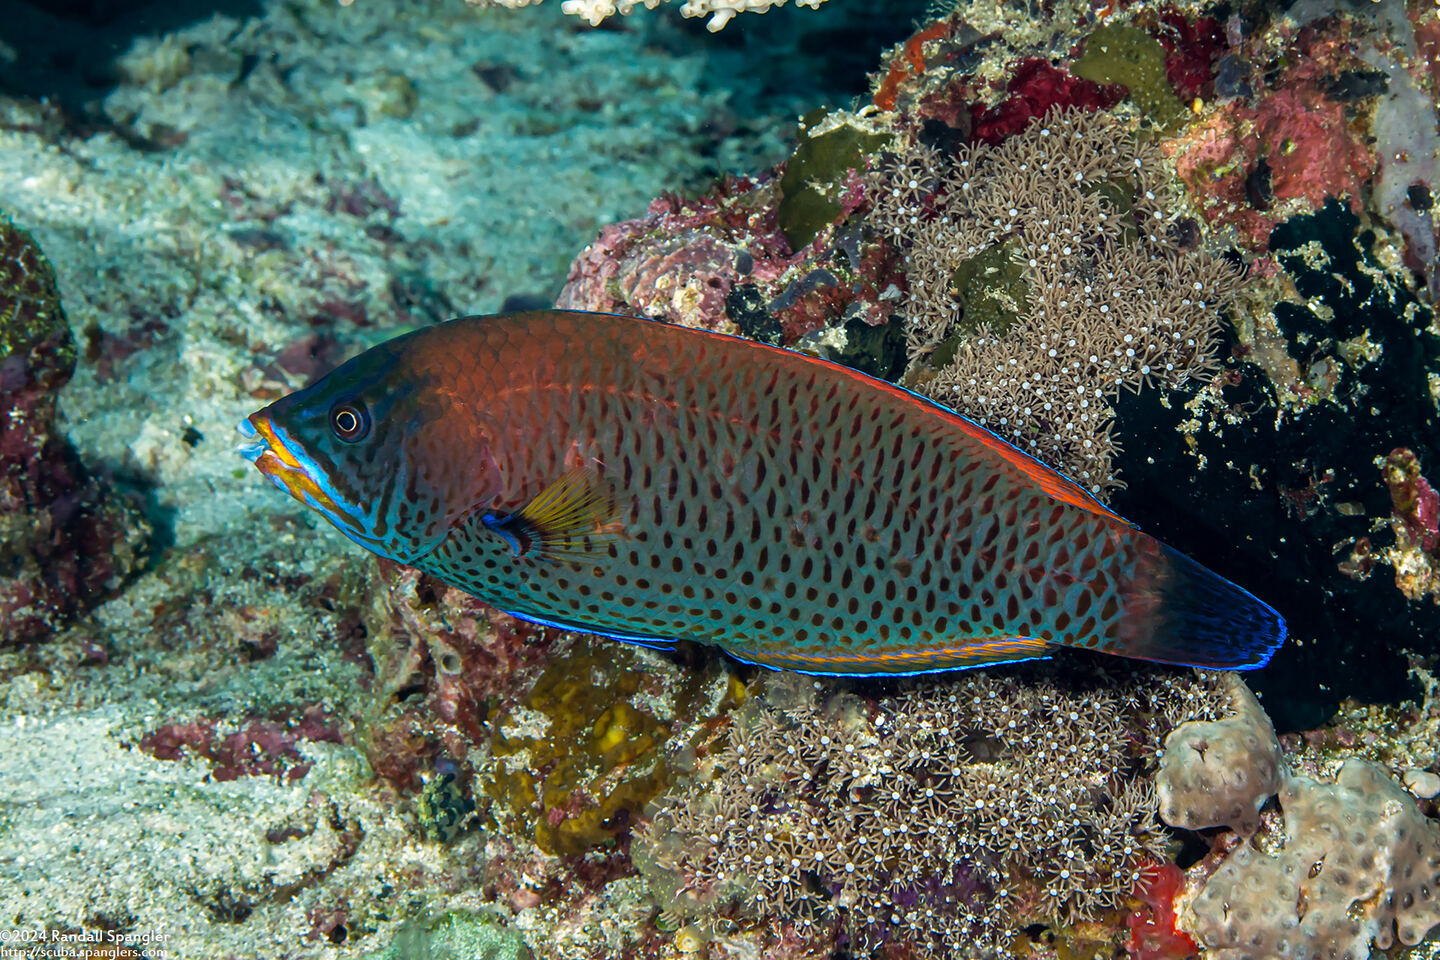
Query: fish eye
350,421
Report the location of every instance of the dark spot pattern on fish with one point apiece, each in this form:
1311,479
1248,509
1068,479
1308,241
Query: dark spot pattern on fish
795,513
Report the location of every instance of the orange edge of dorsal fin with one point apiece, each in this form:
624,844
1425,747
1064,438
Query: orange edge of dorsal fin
1054,483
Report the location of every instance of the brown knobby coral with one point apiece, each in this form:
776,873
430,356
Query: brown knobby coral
1221,772
1356,862
1045,274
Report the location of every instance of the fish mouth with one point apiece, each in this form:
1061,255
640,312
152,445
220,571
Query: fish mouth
254,446
273,455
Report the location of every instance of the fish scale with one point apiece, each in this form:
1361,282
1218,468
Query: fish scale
762,569
794,512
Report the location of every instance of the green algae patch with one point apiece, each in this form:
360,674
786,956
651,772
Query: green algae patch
1118,195
1131,57
814,178
991,289
32,323
585,751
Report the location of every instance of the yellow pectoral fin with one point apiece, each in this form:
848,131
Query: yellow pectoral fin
574,516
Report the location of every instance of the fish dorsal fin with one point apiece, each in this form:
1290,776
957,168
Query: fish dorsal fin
1056,485
574,516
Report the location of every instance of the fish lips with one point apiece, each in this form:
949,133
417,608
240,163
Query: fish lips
259,447
253,446
268,449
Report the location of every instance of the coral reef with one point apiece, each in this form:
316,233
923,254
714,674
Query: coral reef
1127,55
265,746
1153,934
596,12
813,187
1357,863
1220,772
1282,150
442,662
944,817
1044,275
67,539
1254,447
1408,148
268,746
576,760
1276,479
1349,857
1415,523
261,748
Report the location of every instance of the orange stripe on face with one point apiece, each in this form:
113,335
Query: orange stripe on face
278,462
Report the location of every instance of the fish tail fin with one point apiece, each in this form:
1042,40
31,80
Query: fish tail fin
1177,611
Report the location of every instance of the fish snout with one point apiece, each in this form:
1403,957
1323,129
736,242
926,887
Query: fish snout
253,445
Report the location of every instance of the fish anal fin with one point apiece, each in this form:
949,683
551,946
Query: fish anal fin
961,655
575,517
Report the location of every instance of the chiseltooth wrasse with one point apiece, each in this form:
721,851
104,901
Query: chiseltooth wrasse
650,482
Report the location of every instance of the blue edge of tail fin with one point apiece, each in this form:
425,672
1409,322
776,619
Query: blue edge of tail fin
1222,626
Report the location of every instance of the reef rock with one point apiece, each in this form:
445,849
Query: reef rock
65,538
1220,772
1358,864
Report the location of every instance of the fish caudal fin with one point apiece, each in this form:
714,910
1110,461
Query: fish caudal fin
1177,611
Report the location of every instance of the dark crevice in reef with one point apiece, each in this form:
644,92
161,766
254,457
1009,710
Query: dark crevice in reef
1263,511
66,49
823,54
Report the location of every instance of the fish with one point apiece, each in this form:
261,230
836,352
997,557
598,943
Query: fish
655,484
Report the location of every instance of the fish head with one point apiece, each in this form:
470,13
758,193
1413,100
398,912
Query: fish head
380,447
